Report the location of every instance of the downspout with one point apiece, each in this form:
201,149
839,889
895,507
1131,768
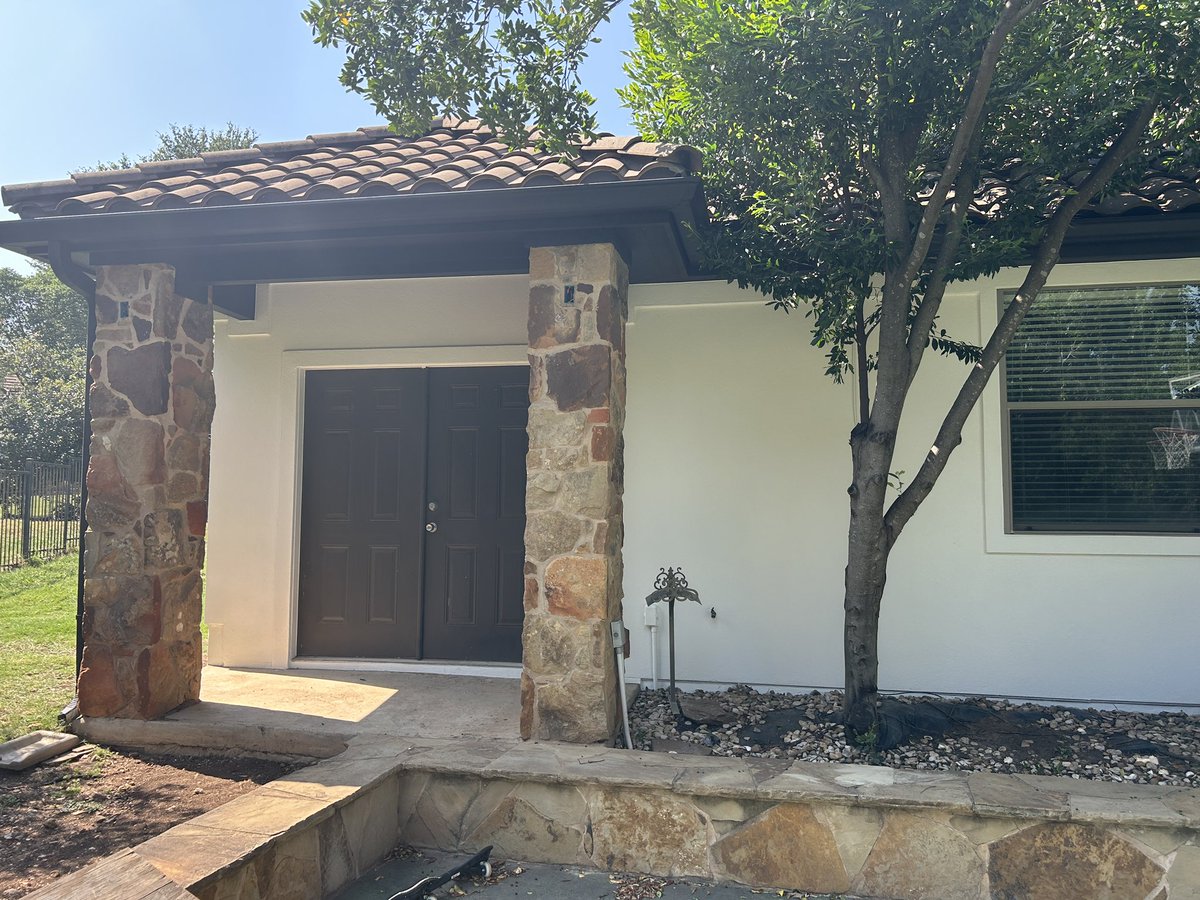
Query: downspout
74,277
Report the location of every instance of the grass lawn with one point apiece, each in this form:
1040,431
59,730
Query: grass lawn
37,645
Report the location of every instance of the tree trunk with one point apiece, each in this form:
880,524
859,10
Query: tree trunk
866,574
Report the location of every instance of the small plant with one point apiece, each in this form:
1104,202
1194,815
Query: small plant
869,741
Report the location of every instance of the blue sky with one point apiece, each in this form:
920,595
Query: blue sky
87,80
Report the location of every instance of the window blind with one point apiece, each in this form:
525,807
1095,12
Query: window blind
1102,390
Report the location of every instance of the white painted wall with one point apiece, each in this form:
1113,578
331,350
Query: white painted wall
736,469
259,365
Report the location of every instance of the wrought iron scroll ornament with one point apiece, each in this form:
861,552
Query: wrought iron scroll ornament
670,586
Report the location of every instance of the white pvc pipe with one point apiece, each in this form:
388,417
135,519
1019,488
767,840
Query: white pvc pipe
653,655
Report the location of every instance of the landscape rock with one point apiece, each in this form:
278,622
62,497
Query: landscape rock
705,710
989,736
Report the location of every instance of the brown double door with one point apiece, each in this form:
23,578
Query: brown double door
413,513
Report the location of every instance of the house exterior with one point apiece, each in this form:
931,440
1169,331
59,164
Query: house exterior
435,404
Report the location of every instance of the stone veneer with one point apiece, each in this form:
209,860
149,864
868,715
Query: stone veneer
578,299
773,824
152,403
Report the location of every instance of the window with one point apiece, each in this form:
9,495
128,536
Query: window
1103,411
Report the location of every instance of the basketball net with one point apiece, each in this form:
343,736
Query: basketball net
1174,447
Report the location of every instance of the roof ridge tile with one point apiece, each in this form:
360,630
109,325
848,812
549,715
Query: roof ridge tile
225,157
104,176
169,166
285,147
338,137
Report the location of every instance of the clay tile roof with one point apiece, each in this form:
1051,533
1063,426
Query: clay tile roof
454,155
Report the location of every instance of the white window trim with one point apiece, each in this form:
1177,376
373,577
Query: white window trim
997,537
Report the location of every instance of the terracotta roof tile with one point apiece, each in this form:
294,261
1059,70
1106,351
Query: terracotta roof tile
453,155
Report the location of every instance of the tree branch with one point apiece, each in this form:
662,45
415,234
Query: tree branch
964,134
949,435
935,289
860,343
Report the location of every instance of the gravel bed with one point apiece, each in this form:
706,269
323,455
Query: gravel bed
1029,739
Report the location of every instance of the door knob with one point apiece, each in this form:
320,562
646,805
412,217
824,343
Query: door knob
431,527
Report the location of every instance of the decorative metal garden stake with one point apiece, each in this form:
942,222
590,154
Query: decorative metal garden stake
671,585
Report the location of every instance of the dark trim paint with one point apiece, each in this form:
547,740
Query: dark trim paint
79,281
563,214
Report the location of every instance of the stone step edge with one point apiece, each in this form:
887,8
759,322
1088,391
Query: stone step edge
303,800
192,738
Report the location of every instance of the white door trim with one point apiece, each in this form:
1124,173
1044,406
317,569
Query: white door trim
291,458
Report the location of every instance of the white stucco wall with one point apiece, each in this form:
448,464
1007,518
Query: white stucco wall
736,469
258,369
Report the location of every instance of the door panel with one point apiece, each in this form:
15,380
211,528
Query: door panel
362,513
380,445
474,561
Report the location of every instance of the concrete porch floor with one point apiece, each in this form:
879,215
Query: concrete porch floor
316,712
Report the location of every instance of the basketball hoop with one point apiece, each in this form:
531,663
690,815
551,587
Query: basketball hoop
1185,387
1173,447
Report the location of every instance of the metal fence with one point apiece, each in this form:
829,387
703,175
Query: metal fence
39,511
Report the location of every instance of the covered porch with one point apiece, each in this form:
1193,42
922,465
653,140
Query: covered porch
354,548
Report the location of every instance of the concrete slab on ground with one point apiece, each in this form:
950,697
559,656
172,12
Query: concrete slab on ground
314,712
354,703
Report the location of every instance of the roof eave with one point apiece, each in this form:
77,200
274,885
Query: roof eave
572,211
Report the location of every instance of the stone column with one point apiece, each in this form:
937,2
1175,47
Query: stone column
152,404
577,308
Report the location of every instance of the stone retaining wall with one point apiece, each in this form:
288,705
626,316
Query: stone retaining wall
873,831
867,830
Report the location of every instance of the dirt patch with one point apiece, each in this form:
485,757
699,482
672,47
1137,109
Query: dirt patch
60,816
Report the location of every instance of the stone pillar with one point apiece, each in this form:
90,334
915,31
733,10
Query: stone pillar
152,404
577,308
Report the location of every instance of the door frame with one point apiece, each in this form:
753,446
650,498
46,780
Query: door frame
295,365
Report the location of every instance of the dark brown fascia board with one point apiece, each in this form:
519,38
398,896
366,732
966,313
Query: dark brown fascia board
156,235
563,213
1133,236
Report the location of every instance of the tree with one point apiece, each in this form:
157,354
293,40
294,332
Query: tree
43,347
861,155
187,141
43,331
